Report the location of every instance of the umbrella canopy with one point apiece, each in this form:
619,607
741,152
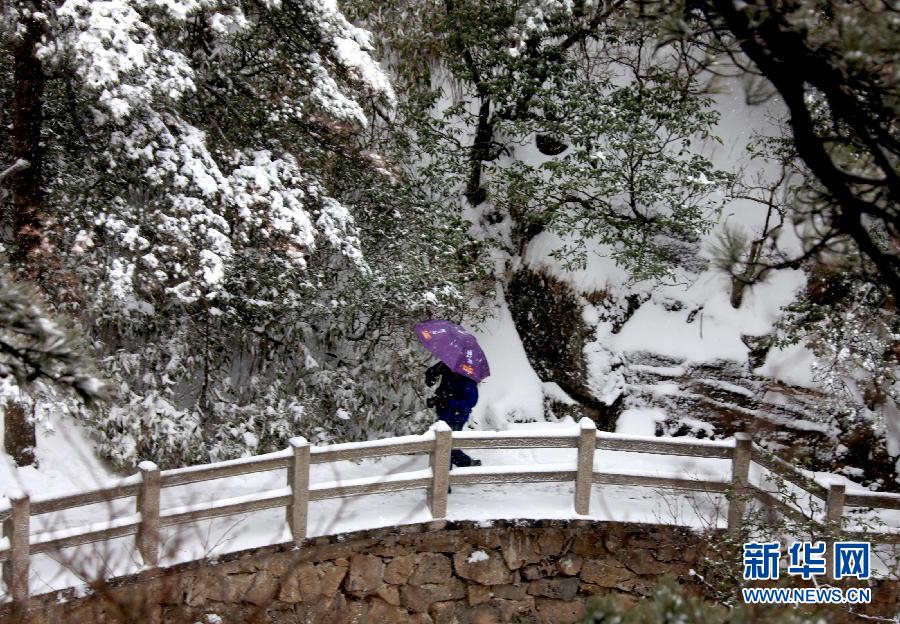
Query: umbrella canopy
455,347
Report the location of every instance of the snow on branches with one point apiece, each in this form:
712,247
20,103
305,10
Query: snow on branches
192,153
137,78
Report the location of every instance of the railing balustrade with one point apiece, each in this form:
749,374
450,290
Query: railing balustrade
18,543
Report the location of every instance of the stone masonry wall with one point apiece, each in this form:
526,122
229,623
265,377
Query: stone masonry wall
432,573
439,572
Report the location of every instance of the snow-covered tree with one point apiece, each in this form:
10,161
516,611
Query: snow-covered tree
212,193
35,350
839,153
627,176
561,115
832,64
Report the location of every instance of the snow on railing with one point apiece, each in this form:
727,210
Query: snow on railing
18,543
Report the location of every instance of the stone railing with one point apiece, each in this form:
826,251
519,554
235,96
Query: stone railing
18,543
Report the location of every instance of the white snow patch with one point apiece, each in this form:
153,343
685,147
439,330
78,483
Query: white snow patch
660,389
707,328
477,556
662,371
600,273
657,330
250,439
212,267
791,365
553,392
697,425
640,421
513,391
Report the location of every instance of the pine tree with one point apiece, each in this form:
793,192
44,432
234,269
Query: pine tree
827,61
217,201
35,350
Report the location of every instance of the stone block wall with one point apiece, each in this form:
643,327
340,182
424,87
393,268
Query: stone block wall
434,573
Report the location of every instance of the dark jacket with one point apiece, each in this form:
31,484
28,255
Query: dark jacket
455,396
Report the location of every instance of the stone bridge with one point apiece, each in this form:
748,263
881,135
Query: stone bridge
438,572
430,567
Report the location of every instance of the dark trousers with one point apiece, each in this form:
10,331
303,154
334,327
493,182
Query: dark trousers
456,422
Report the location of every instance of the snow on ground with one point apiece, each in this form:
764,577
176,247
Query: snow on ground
704,328
792,365
65,456
513,391
707,328
639,421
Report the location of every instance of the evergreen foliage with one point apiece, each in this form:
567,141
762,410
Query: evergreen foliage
245,216
245,256
622,118
35,347
840,157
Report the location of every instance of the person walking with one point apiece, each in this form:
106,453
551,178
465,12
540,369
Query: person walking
461,368
453,401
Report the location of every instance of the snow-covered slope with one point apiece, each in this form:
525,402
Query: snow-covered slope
513,391
66,460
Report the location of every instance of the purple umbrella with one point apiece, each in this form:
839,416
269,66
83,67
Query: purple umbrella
455,347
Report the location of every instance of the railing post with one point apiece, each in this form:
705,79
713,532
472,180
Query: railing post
740,478
298,481
834,511
584,477
834,506
440,470
148,507
16,529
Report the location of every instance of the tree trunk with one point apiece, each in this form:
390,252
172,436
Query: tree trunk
737,291
19,437
25,184
27,120
480,152
750,275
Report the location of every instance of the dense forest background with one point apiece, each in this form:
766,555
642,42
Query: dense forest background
220,218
